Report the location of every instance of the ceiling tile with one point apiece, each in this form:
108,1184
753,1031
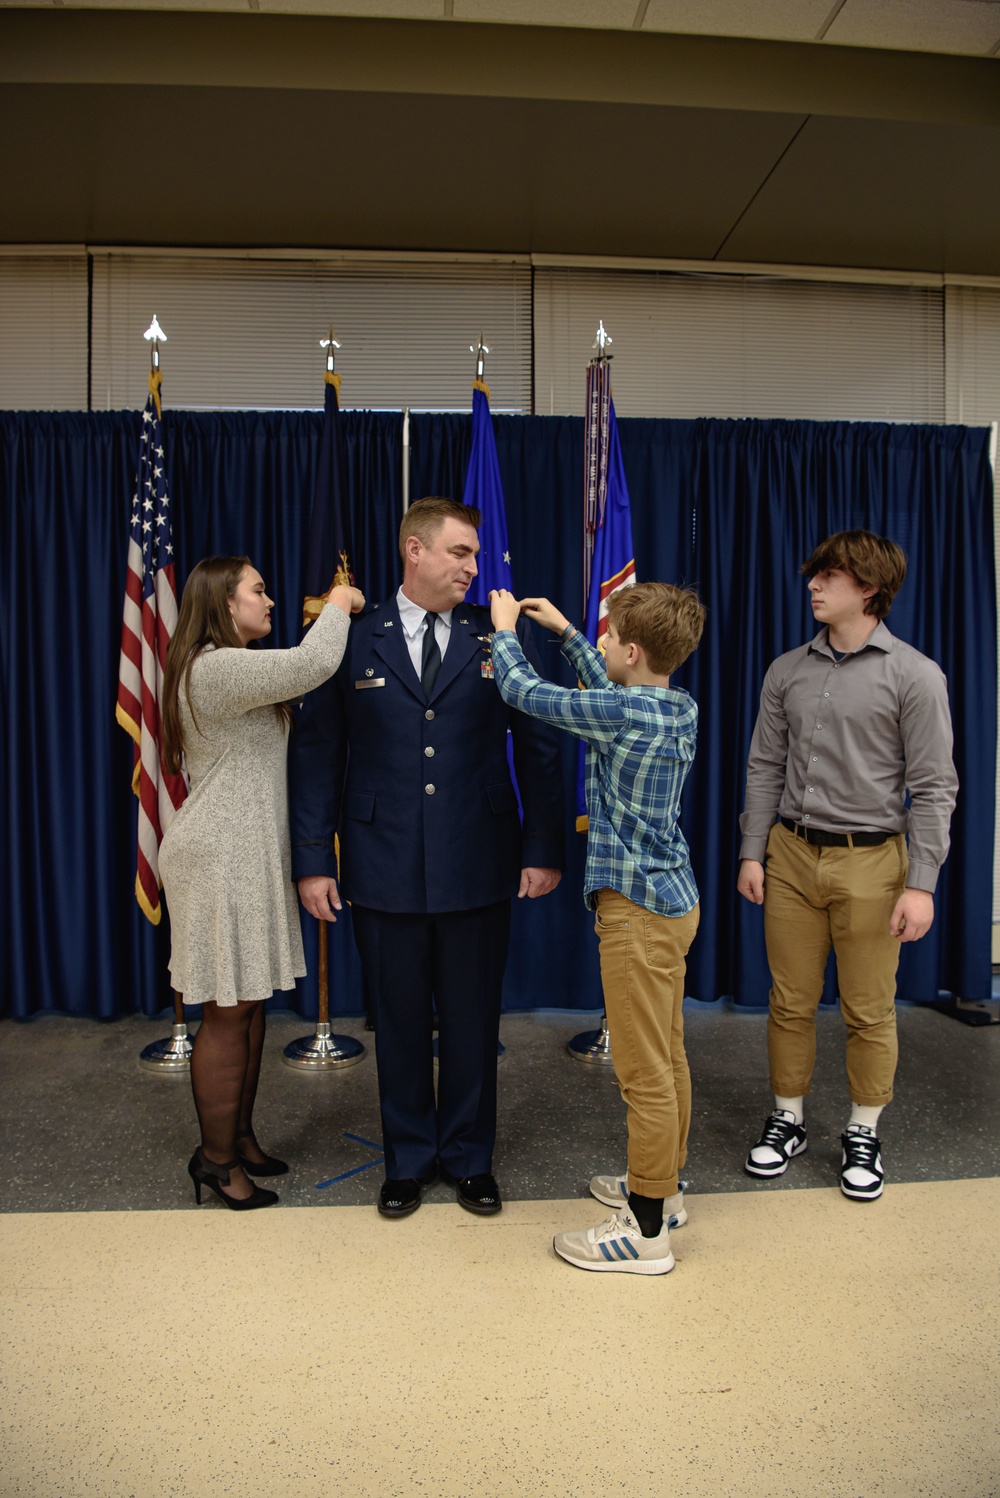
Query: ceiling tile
782,20
607,14
160,5
372,10
965,26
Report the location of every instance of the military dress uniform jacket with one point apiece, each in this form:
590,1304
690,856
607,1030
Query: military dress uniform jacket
419,788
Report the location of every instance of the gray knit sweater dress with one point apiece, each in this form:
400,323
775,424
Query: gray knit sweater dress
225,859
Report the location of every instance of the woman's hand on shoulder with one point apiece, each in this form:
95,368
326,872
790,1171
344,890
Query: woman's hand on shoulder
351,600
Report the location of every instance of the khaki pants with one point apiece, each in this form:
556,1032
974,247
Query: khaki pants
642,971
844,897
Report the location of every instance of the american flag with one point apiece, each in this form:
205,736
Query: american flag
148,622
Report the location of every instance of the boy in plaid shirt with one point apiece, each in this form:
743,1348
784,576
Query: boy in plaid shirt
640,737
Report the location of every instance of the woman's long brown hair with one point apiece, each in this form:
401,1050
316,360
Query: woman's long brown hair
204,619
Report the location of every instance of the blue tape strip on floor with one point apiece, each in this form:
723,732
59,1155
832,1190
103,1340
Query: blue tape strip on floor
358,1140
358,1169
322,1185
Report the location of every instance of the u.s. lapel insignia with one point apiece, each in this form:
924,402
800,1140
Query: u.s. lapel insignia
463,621
387,624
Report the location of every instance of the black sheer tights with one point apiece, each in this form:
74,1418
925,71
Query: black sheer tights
225,1067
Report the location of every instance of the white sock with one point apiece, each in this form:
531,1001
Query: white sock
867,1118
791,1105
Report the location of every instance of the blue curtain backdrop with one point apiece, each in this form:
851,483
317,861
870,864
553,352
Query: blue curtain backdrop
731,507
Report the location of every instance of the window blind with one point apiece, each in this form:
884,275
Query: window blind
243,331
972,320
43,325
697,344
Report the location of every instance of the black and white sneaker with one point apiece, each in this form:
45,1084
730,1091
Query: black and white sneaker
782,1139
861,1173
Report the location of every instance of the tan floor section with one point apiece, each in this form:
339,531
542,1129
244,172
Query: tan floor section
803,1345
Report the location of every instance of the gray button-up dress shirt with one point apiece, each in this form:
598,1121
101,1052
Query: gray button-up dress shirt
838,743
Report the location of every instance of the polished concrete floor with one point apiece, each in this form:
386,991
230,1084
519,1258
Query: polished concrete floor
86,1128
804,1346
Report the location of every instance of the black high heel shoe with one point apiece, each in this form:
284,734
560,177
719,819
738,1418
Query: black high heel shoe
269,1166
205,1172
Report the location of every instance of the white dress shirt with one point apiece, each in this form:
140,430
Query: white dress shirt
411,617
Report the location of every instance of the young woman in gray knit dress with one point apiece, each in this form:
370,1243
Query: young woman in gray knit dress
225,859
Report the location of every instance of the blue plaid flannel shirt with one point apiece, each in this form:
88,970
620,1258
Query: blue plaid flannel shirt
640,745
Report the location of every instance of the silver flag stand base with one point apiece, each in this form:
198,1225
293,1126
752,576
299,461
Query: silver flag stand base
173,1055
323,1051
592,1045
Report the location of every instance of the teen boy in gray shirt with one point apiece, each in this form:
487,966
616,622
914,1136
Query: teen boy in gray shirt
848,724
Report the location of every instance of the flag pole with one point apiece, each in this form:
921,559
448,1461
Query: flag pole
594,1046
325,1051
406,459
483,492
171,1056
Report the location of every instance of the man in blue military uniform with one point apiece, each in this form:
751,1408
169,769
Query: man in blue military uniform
404,753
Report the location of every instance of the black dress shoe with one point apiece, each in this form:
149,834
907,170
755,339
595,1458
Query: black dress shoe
479,1194
400,1198
269,1166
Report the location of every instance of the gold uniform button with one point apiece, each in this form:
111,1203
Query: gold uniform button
429,752
429,789
429,714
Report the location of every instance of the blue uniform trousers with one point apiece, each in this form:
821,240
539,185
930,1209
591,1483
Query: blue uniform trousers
453,962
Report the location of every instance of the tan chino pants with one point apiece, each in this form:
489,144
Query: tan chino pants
844,897
642,972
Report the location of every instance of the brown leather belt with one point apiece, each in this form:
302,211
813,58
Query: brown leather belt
820,838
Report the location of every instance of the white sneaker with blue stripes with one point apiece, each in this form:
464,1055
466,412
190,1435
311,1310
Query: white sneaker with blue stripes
612,1191
617,1244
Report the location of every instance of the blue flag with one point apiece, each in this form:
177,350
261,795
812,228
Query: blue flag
328,542
484,492
608,530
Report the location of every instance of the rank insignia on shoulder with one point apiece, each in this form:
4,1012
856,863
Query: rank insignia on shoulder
486,669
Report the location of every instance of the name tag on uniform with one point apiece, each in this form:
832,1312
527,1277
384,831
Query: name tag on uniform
373,681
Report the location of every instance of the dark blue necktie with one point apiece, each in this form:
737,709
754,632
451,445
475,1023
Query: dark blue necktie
430,656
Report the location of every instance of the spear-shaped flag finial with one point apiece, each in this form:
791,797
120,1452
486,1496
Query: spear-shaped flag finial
330,344
480,350
154,335
601,342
